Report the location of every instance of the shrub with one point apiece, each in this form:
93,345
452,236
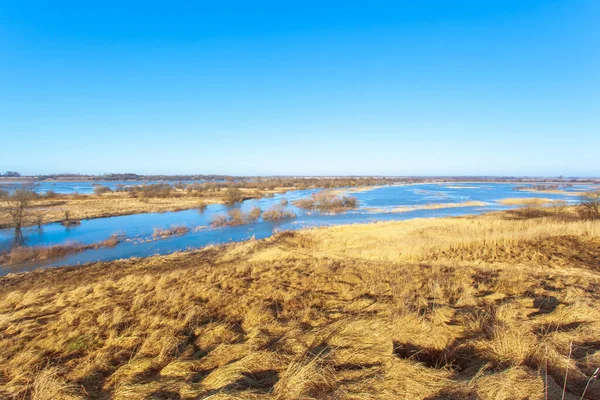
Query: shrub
236,217
172,231
254,214
112,241
590,205
305,203
100,190
159,190
51,194
277,212
324,201
234,195
218,220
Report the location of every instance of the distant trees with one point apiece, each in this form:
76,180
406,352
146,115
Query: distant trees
157,190
326,201
234,195
277,212
235,217
11,174
99,190
17,203
590,205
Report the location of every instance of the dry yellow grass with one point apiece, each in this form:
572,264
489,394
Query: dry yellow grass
459,308
114,204
433,206
529,201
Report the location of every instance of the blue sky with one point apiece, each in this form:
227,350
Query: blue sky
307,87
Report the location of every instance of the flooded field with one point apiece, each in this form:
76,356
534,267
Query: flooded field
396,202
85,187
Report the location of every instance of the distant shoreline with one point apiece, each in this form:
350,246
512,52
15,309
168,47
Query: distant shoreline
395,179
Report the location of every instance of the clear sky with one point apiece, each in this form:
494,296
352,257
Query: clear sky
301,87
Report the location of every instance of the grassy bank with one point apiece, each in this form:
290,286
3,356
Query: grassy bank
115,204
434,206
499,306
162,197
20,255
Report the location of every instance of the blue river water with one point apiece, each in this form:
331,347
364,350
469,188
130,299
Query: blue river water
375,205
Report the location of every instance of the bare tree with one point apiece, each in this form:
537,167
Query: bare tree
590,205
234,195
16,205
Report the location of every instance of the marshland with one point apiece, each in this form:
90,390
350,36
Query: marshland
502,305
383,291
161,218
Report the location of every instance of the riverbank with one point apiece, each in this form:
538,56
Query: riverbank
115,204
484,307
553,191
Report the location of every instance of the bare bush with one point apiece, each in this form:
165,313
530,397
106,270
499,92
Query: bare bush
277,212
172,231
325,201
590,205
234,195
218,220
159,190
254,214
236,217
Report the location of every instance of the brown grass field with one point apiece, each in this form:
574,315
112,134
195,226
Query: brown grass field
499,306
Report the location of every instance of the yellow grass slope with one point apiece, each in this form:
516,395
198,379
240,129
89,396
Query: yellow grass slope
490,307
